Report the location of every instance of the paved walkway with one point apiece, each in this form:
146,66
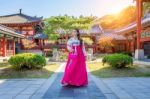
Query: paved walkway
124,87
98,88
142,62
19,88
56,91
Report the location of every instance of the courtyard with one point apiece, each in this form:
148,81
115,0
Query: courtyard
98,88
51,50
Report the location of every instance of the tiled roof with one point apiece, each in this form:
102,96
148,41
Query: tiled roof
18,19
112,36
132,27
97,29
9,31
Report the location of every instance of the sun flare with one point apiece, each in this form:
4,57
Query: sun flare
116,10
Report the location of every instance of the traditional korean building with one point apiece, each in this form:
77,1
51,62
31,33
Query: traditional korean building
96,34
113,43
104,36
27,25
133,38
130,31
139,53
126,37
139,31
63,38
9,41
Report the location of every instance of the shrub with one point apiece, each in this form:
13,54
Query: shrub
27,61
148,56
127,53
118,60
63,56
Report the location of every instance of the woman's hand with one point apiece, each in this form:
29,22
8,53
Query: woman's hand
72,50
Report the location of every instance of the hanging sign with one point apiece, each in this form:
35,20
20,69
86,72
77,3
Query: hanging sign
145,33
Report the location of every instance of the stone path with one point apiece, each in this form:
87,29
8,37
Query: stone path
129,88
98,88
56,91
142,62
19,88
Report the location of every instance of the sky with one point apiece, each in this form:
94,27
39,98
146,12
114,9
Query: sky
47,8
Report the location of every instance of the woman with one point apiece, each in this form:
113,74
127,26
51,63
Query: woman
75,71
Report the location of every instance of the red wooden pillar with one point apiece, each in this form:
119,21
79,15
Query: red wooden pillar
138,18
13,43
4,46
133,43
125,46
40,43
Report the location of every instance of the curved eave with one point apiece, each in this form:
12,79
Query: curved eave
12,34
18,24
127,30
112,36
9,31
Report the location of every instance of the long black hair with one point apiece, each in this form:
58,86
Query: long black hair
79,37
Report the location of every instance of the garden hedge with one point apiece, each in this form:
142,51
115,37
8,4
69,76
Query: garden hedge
27,61
148,56
127,53
118,60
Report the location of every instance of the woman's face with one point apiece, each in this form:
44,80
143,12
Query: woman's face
74,33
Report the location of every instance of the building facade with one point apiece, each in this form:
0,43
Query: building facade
19,32
131,31
29,26
9,41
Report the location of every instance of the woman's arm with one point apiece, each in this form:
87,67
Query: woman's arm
83,49
69,46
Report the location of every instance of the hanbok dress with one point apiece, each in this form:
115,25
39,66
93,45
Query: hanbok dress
75,71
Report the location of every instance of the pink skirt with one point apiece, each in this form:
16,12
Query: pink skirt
75,71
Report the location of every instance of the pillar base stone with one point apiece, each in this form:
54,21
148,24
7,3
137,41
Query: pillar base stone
139,54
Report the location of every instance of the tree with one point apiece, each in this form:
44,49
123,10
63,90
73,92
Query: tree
124,18
65,24
115,21
107,43
87,40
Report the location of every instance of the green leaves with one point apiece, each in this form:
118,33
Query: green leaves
148,56
118,60
65,23
124,18
119,20
27,61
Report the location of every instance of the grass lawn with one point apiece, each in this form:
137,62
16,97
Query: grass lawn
4,65
7,72
106,71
